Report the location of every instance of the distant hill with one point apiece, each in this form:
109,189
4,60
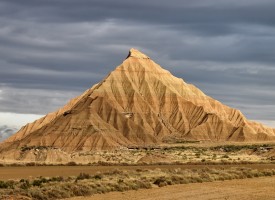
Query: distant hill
6,132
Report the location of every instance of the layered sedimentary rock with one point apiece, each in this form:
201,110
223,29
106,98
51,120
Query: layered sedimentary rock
137,104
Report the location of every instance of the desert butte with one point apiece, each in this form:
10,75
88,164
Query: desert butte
139,104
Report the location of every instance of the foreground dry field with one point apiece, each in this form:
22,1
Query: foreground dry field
30,172
253,189
126,178
158,169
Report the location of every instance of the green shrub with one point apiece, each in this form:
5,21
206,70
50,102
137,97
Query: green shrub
57,179
83,176
38,182
120,181
98,176
161,181
7,184
72,163
3,184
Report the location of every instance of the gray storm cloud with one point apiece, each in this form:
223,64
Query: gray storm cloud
52,50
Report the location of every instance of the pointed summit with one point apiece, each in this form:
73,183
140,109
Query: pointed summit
138,104
137,54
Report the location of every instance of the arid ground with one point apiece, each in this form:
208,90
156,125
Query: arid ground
32,172
252,189
181,171
59,182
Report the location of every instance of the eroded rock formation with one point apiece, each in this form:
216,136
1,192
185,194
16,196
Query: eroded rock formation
137,104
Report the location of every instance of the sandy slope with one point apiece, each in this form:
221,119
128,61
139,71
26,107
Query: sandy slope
137,104
252,189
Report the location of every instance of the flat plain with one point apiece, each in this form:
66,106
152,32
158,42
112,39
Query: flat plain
252,189
32,172
181,171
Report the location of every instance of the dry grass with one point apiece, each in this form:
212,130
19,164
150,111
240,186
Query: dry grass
117,180
179,153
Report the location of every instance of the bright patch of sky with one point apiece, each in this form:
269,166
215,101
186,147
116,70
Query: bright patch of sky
17,120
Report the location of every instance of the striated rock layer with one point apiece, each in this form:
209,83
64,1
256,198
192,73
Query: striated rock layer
137,104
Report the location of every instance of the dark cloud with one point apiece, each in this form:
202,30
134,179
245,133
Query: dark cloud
6,132
154,11
52,50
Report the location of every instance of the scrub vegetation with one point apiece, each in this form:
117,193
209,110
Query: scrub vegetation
46,188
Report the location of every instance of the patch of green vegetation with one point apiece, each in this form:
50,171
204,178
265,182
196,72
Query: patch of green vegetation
40,181
7,184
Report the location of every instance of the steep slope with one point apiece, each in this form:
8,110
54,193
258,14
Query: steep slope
139,103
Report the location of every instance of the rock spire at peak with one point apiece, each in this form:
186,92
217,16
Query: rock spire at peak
137,54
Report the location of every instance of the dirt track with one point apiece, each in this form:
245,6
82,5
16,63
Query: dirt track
252,189
49,171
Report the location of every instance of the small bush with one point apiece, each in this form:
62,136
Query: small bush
267,173
37,194
25,184
30,164
57,179
3,184
57,194
38,182
72,163
98,176
120,181
7,184
143,184
81,190
114,172
161,181
83,176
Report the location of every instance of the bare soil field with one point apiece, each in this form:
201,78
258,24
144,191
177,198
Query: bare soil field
30,172
252,189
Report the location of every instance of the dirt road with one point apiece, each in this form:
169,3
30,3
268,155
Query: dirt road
245,189
50,171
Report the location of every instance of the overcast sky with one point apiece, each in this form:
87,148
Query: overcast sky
53,50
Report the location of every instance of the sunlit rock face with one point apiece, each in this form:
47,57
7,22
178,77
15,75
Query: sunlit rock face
137,104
